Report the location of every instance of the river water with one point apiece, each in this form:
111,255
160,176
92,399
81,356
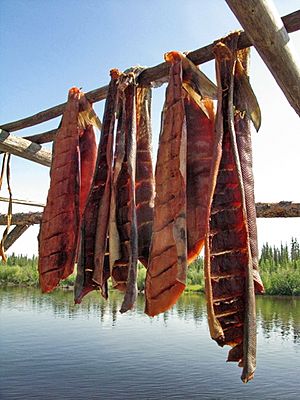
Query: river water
51,349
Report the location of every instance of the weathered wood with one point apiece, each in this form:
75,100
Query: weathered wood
22,218
13,235
24,202
41,138
24,148
278,210
265,28
151,74
93,96
283,209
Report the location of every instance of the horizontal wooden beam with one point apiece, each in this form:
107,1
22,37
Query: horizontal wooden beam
41,138
149,75
22,218
24,148
283,209
53,112
13,235
264,27
23,202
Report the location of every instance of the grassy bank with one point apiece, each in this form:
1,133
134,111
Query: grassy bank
279,268
22,271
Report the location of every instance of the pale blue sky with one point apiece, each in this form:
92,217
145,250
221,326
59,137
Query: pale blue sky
48,46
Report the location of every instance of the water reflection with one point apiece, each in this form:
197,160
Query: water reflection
275,314
280,315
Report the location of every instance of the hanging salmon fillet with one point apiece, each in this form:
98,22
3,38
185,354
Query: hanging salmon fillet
67,194
199,110
93,262
123,231
166,274
144,186
182,177
244,99
228,258
88,156
118,270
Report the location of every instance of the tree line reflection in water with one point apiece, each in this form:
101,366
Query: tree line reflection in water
274,314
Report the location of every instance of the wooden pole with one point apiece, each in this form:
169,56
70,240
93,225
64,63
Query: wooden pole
24,148
151,74
22,218
41,138
265,29
283,209
24,202
13,235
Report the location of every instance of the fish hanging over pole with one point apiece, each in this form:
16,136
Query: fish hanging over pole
58,242
229,267
182,177
93,262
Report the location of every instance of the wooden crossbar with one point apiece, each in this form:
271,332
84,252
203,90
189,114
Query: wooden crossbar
149,75
283,209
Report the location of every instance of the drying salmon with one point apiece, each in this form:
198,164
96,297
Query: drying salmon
88,156
199,111
93,263
144,185
123,231
247,109
182,176
58,241
166,274
228,257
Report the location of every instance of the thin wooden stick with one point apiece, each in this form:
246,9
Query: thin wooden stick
264,27
24,202
13,235
24,148
149,75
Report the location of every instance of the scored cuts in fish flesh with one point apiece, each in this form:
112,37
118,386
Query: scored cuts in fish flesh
68,191
144,178
180,214
229,254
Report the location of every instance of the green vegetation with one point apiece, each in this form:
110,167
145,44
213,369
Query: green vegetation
195,278
279,268
23,271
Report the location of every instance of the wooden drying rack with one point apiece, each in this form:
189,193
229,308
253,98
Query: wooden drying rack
263,28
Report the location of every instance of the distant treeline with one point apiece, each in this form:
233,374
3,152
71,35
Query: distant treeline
279,268
285,255
22,261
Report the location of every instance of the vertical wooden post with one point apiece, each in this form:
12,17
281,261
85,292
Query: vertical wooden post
265,29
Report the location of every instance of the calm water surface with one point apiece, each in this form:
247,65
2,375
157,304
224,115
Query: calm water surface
51,349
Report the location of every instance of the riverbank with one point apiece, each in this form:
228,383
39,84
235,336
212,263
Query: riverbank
282,281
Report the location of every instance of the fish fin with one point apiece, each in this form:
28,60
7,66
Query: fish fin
89,117
193,75
196,97
246,101
207,87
